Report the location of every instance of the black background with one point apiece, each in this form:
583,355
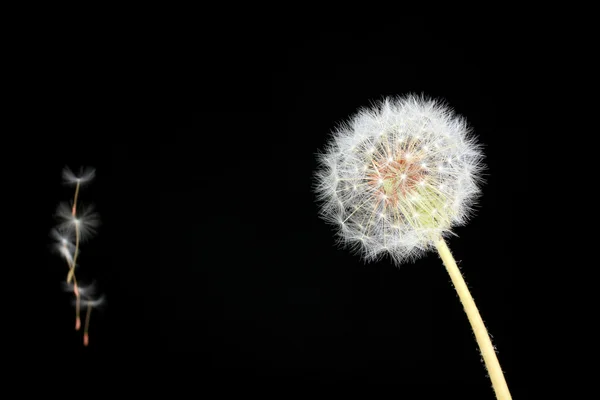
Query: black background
215,265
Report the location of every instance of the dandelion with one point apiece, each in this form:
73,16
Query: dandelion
85,175
395,179
81,225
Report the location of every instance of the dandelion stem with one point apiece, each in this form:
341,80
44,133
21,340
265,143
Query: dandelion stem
481,334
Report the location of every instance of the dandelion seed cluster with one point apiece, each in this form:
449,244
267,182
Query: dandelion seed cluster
398,176
76,225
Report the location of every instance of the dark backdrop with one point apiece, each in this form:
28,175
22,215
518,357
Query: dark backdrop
215,265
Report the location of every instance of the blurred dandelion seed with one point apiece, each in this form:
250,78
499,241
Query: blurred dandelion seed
90,300
76,225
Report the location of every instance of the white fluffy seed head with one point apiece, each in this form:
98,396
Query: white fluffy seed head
398,176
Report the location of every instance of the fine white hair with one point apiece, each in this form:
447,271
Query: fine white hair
86,222
396,177
85,175
88,294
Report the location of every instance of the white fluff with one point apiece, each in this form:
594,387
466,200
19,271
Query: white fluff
398,176
85,175
86,222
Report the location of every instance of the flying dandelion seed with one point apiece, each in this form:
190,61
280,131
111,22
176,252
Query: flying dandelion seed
395,179
76,225
89,299
63,244
85,175
83,224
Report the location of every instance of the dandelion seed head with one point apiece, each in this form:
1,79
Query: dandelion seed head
407,158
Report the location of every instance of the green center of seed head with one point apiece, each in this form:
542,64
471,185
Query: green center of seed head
422,205
430,210
389,186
